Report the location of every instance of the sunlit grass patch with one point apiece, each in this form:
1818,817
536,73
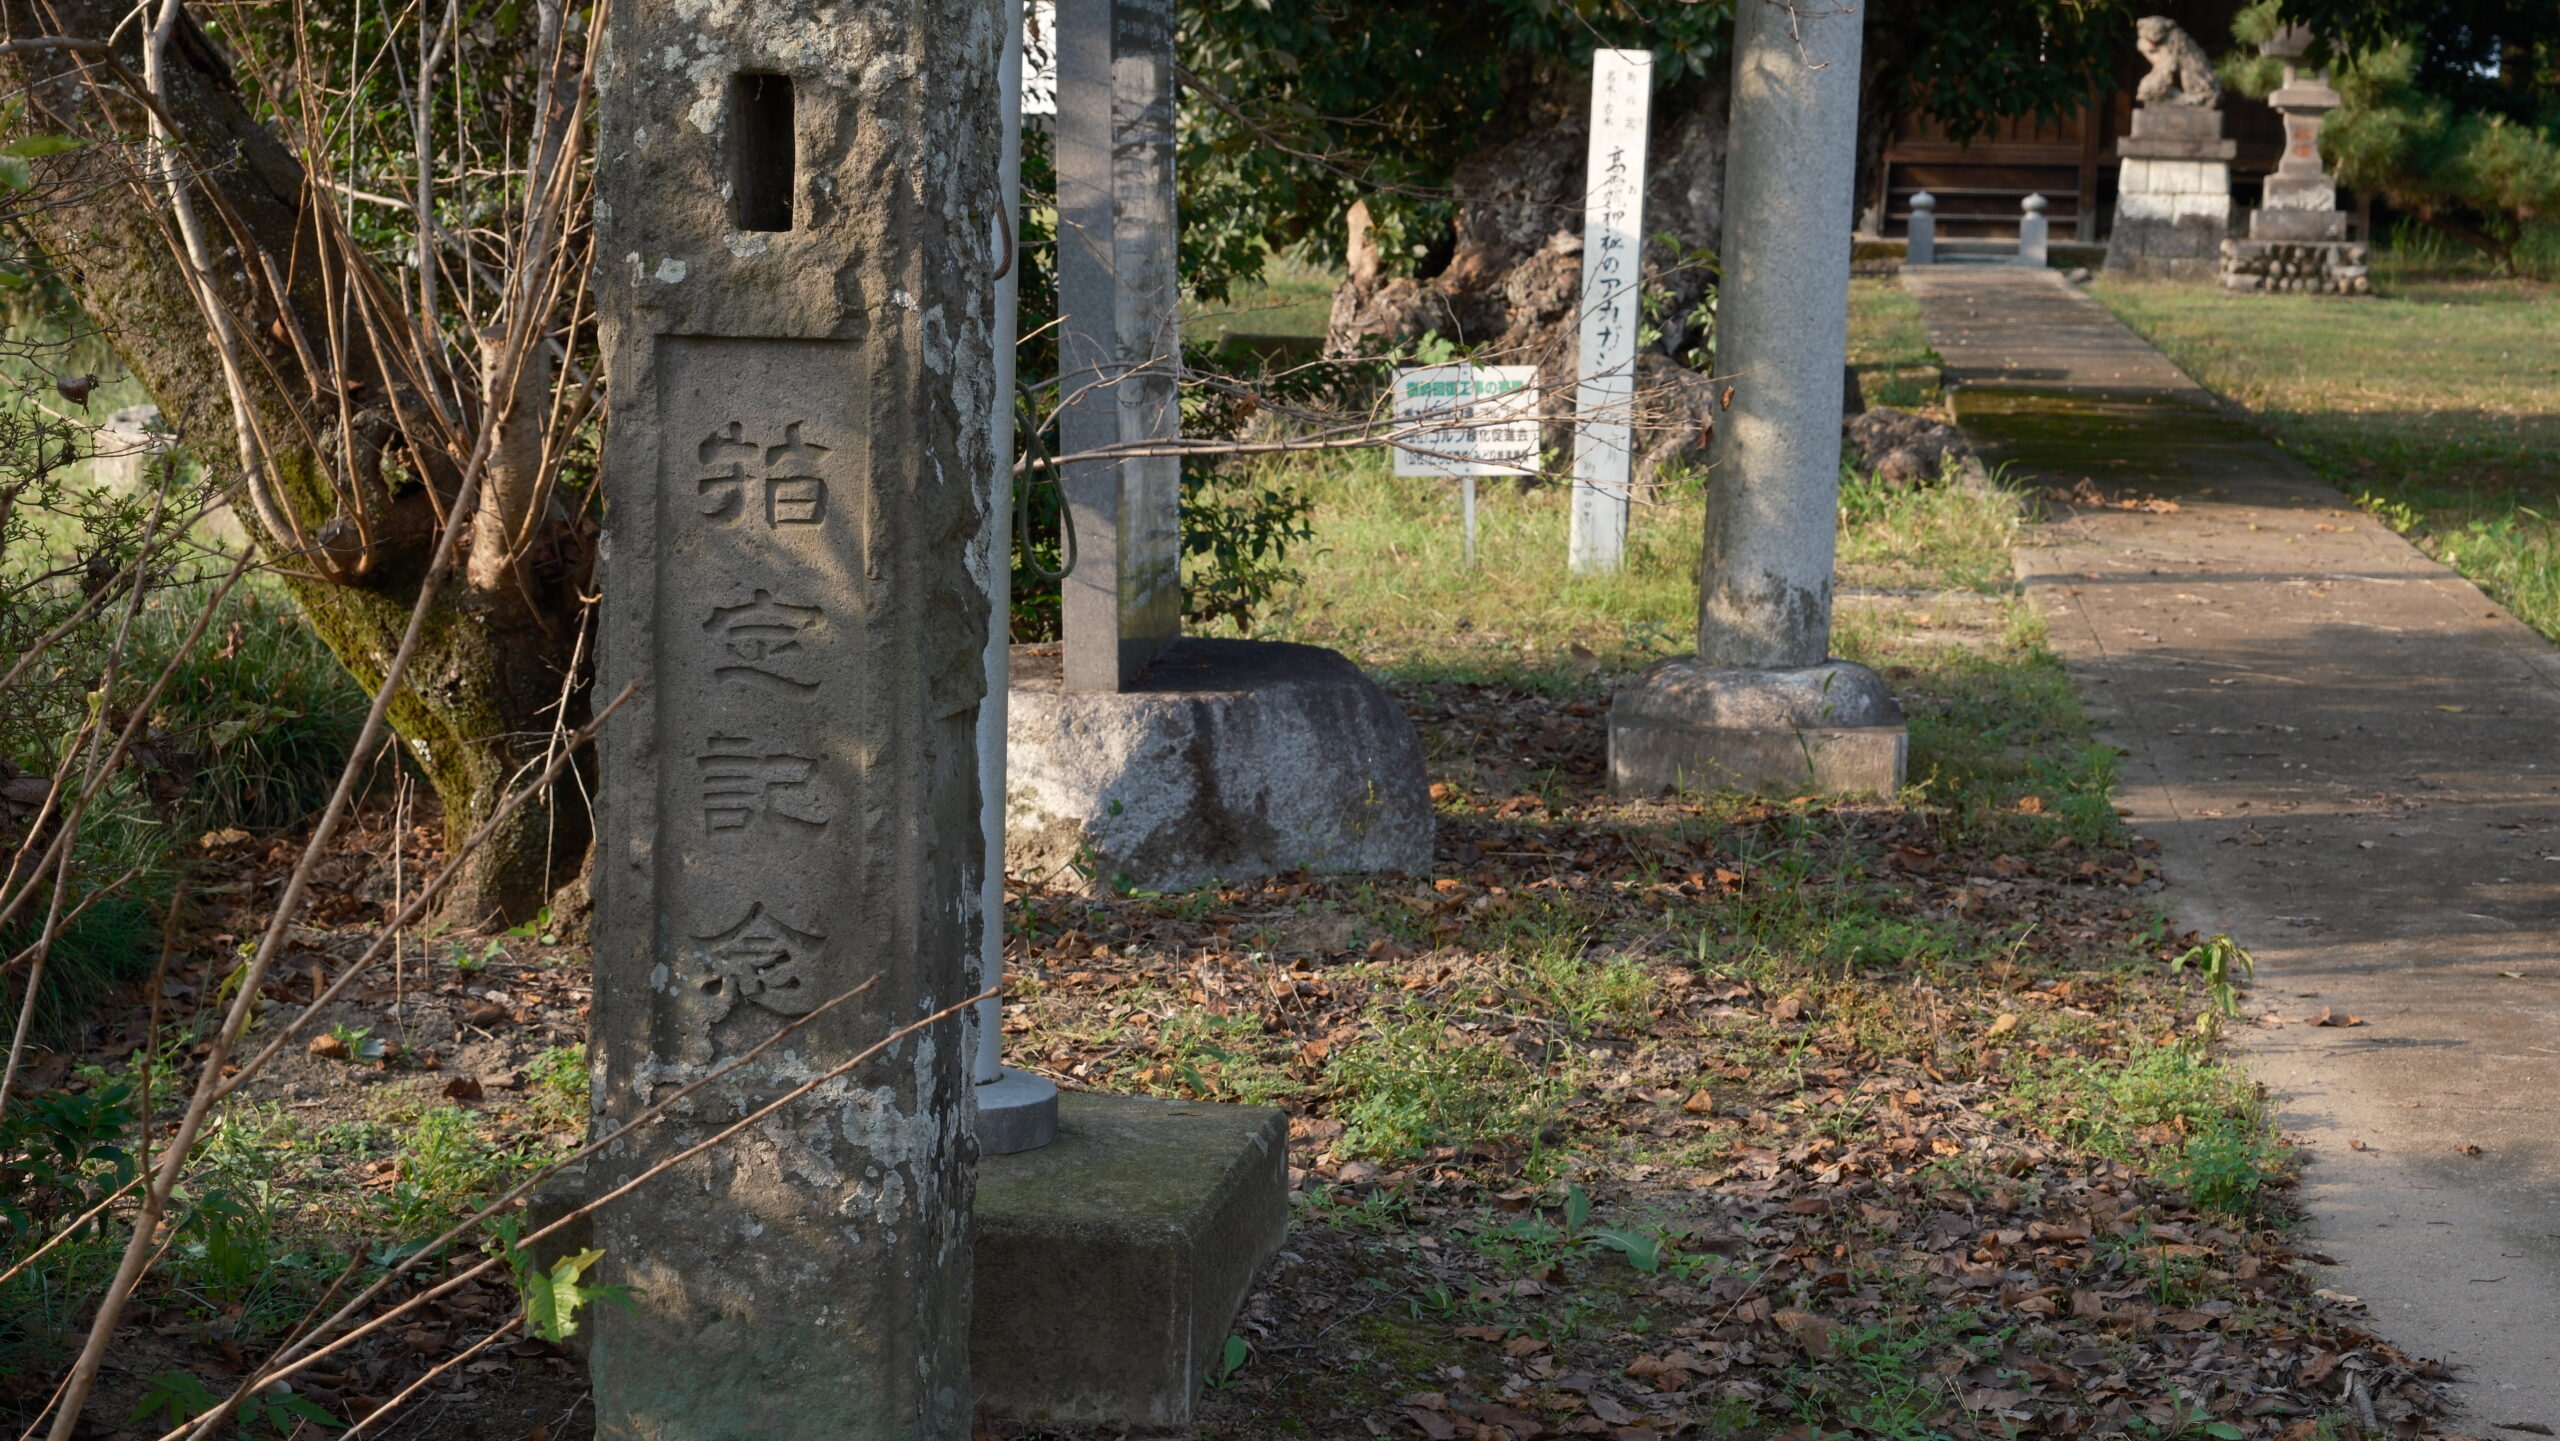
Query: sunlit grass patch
2175,1107
2436,406
1424,1080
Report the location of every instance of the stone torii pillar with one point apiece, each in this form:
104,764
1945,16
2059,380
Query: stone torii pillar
1136,756
796,290
1763,705
1119,341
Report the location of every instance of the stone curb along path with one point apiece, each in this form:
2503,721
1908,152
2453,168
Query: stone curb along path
2351,760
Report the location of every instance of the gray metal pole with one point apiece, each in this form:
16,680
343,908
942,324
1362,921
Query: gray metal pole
995,568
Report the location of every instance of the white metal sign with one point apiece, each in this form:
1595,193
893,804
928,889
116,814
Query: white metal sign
1612,308
1467,420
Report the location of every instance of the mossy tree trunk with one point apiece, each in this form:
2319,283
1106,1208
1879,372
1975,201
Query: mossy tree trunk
498,674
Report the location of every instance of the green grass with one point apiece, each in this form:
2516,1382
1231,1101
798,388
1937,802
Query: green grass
252,731
2436,405
1388,580
1896,365
2175,1107
1419,1081
265,711
2002,758
1291,298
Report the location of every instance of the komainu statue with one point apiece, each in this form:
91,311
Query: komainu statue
2180,73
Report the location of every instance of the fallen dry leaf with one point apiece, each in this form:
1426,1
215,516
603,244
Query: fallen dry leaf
2467,1148
1812,1332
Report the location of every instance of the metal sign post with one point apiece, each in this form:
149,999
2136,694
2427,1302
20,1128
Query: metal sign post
1465,421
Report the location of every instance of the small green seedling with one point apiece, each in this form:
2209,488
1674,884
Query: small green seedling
464,960
540,929
1642,1251
552,1298
1231,1359
178,1397
2224,964
361,1043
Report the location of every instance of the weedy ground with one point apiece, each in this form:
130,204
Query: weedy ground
1707,1115
1692,1116
2435,404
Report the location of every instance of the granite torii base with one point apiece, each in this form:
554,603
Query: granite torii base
1230,760
1684,725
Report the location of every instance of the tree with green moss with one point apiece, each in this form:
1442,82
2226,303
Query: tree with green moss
345,254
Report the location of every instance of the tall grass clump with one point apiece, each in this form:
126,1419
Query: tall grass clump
263,711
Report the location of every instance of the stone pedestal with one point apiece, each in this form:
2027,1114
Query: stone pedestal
2173,194
1230,759
2298,226
1686,725
1017,1111
2313,267
1110,1263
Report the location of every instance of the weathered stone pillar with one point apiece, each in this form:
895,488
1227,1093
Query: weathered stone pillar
1138,757
1763,705
1783,326
794,206
1119,342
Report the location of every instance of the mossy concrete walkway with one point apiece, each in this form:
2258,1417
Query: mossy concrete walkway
2351,760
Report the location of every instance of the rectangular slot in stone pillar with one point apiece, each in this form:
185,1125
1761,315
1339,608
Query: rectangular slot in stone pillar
796,297
763,152
1118,343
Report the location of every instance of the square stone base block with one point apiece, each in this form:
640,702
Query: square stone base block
1649,757
1111,1261
1231,759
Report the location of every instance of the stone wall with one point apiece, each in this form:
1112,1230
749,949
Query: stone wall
2333,267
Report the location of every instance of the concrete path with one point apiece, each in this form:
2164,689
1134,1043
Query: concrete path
2351,760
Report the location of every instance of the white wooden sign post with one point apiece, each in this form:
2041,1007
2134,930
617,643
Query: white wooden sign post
1465,421
1040,64
1612,272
